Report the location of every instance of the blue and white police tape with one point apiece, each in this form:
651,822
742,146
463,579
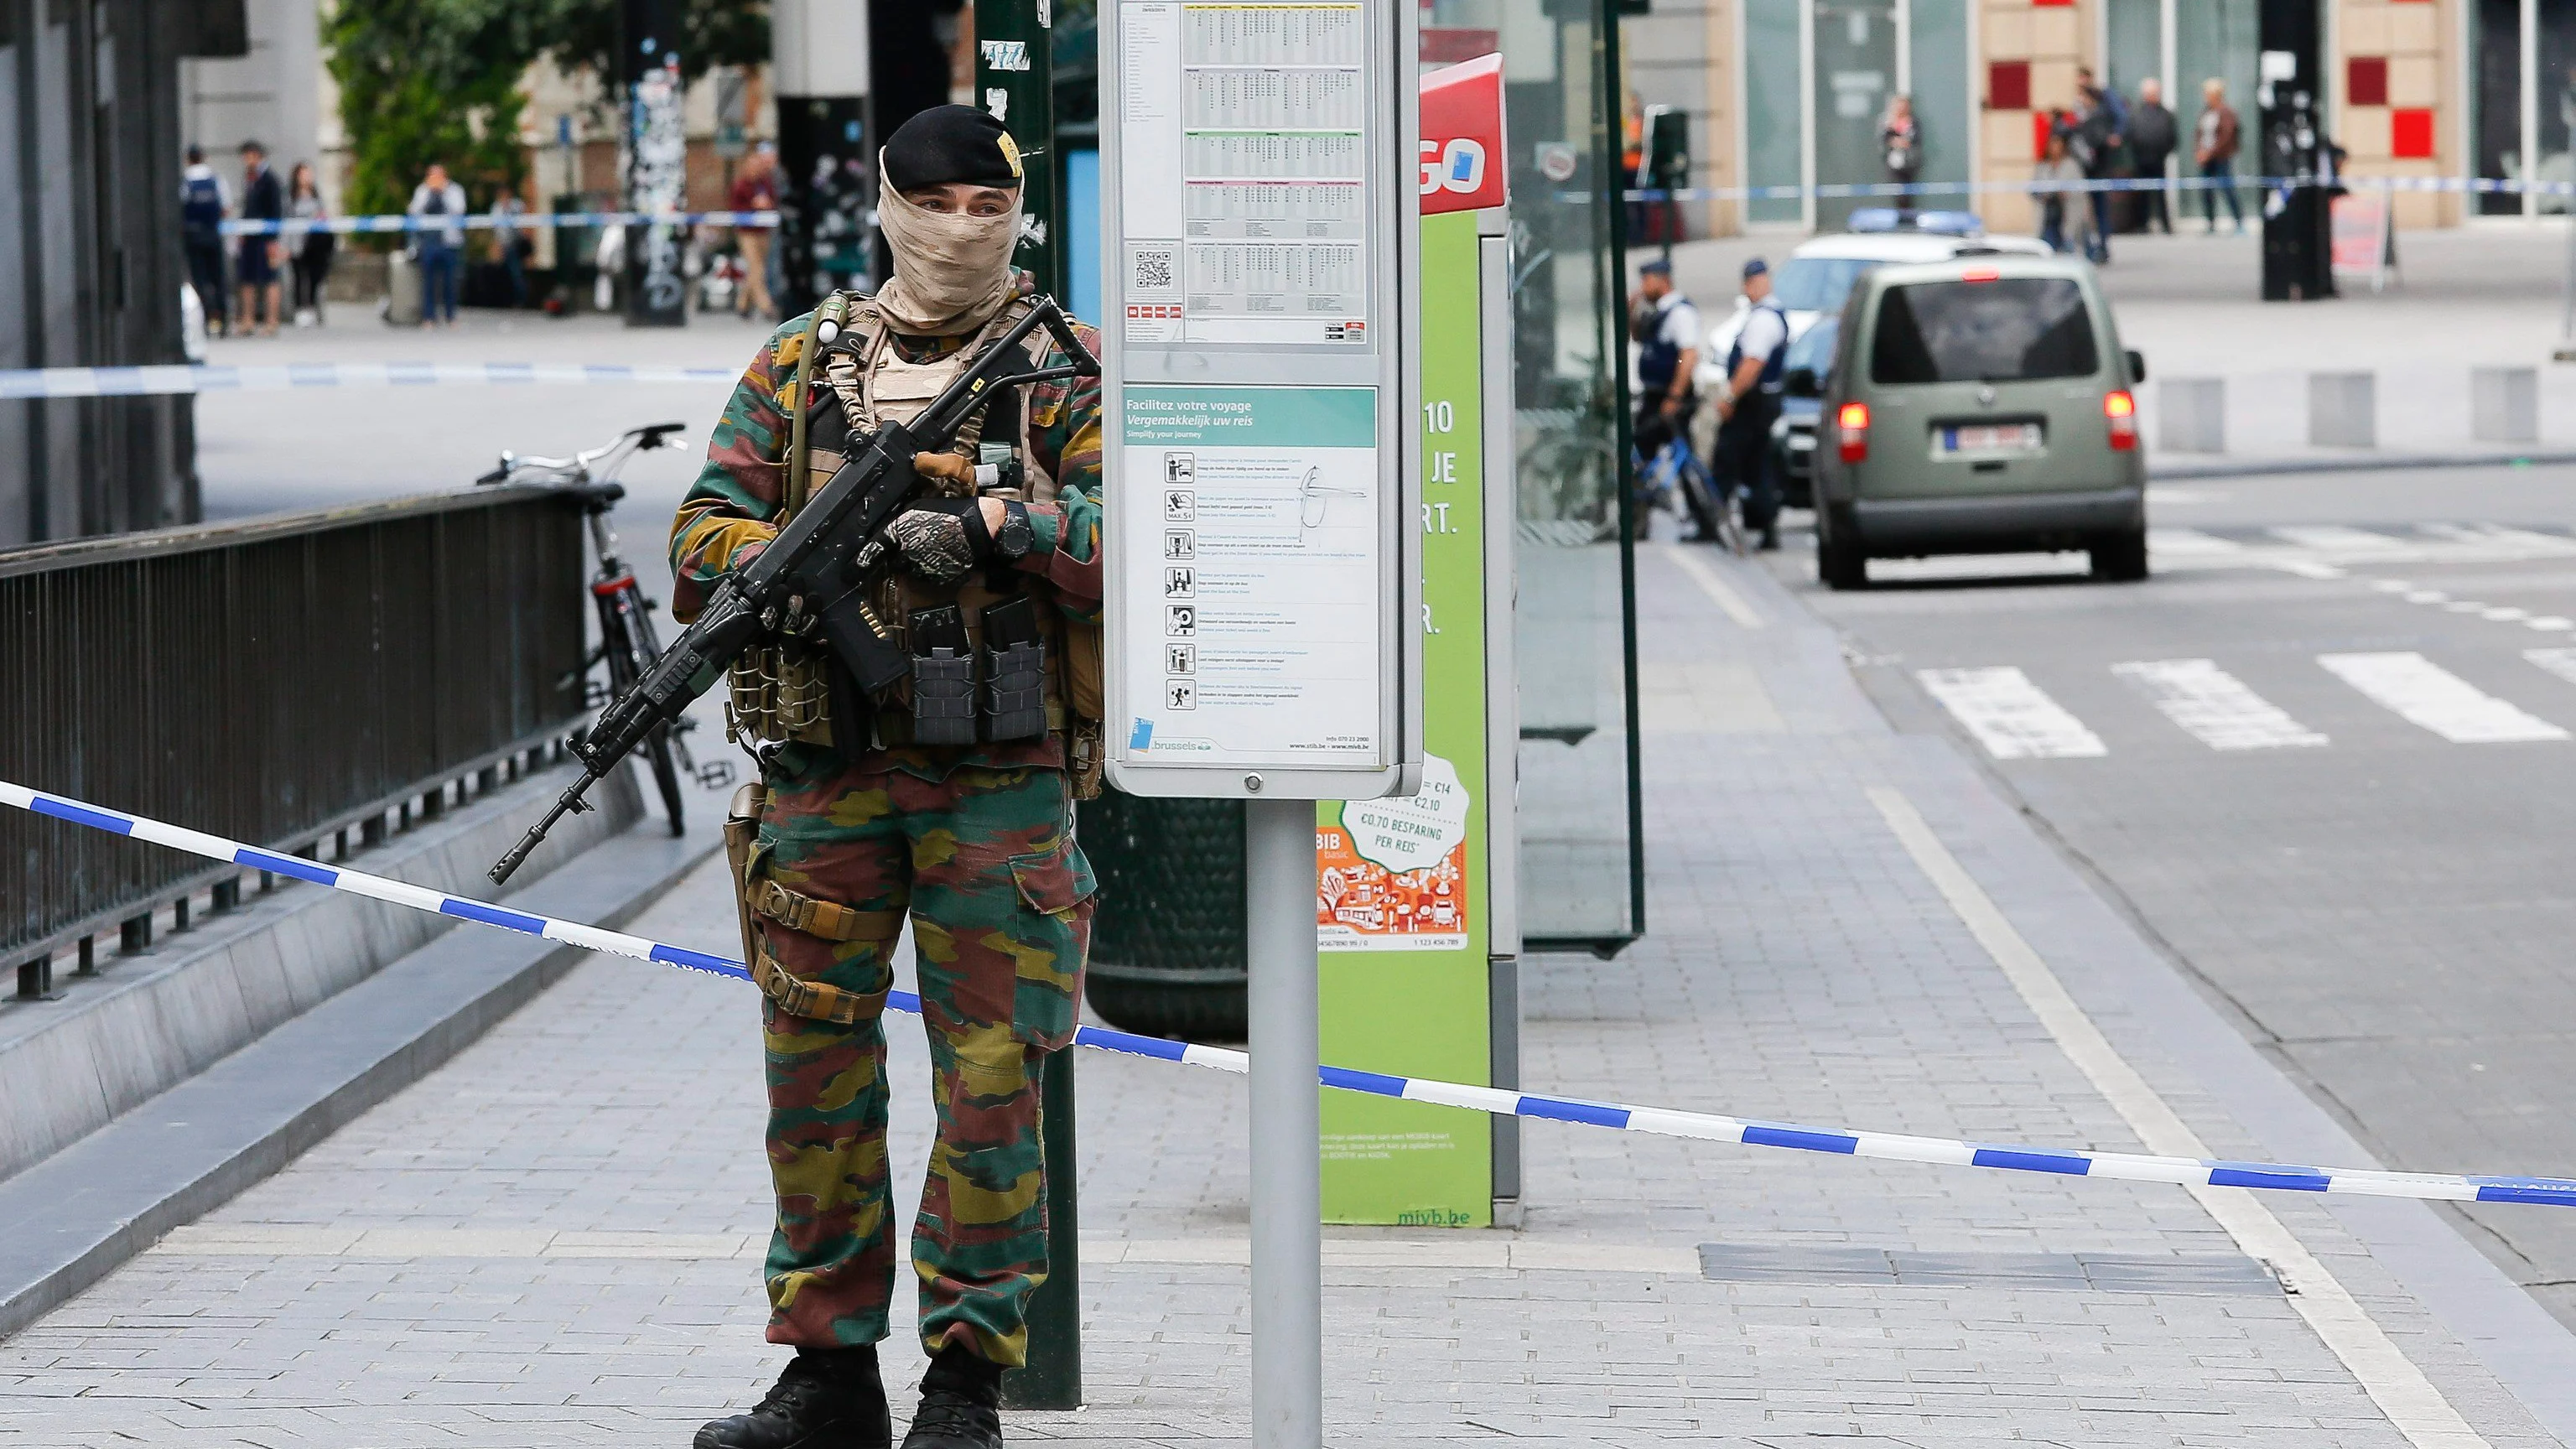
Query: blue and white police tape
175,378
1660,1121
487,221
1860,190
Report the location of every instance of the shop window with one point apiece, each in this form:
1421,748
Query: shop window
2410,134
2008,85
2365,80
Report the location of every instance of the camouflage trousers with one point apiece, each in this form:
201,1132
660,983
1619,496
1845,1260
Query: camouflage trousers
1000,902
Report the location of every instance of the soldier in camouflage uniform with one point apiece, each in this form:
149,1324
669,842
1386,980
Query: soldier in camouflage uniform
863,824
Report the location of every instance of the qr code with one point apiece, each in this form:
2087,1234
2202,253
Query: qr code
1154,266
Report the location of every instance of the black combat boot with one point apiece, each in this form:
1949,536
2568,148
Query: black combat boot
961,1404
827,1399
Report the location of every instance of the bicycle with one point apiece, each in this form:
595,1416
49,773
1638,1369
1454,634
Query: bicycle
627,643
1675,476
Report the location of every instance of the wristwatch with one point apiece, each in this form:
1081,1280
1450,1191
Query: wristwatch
1016,536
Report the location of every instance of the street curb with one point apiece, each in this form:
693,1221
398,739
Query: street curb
88,1208
2372,463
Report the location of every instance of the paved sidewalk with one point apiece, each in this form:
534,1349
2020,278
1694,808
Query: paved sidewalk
554,1240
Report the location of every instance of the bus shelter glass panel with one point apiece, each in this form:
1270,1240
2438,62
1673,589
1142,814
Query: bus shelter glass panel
1582,870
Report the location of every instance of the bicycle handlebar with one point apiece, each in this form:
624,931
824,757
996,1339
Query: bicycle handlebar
576,469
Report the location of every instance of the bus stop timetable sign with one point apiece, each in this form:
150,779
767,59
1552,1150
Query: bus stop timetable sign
1260,454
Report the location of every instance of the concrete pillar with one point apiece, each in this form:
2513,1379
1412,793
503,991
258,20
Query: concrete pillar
2191,414
2504,404
2343,409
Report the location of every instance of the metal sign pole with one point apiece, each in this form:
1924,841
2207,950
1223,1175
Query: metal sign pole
1262,472
1287,1111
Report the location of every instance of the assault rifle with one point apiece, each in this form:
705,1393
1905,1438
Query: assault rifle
817,574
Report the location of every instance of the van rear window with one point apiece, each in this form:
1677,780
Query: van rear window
2012,329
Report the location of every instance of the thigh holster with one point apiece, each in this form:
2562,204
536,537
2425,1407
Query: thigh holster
757,897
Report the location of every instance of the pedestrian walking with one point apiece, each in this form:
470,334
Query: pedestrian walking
756,189
2065,221
1755,366
2152,136
861,820
1900,143
511,245
2098,146
203,203
2214,141
310,253
440,204
255,265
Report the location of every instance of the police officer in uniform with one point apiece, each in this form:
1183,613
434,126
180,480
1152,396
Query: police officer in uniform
1666,327
1751,404
948,804
202,204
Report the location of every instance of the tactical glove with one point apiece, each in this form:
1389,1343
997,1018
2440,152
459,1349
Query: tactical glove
941,540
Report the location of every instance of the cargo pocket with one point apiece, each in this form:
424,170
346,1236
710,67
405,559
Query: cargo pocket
1056,889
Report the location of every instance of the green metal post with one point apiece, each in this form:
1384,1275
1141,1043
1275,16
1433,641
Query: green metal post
1014,79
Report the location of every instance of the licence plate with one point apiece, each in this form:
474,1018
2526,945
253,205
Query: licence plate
1988,438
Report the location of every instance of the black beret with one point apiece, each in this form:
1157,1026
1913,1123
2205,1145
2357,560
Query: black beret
951,143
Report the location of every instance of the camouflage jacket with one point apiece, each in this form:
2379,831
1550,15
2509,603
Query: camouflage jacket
729,514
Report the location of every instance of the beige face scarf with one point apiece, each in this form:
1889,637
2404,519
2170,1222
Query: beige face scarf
951,271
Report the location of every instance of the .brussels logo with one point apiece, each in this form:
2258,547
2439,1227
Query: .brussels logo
1458,166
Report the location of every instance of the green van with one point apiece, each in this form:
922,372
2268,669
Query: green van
1979,405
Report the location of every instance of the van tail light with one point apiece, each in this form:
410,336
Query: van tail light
1853,424
2121,410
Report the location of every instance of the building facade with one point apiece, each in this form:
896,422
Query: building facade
1789,93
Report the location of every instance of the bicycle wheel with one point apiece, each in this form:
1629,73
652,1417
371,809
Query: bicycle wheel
667,775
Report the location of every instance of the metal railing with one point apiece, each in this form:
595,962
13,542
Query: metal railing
282,680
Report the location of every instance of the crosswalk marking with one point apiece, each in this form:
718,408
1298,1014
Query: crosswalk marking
2497,535
2010,716
2215,706
2177,544
2336,538
2561,662
2426,694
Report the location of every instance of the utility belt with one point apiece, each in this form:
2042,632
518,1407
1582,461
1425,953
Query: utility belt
988,668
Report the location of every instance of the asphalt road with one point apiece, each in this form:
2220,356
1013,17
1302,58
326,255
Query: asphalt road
2325,757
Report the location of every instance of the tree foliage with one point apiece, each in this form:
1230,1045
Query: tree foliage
583,34
432,80
438,80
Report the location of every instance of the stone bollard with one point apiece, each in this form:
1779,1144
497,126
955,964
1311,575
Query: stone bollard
2191,414
2343,409
2504,404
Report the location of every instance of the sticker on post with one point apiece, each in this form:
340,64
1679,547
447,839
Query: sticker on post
1393,875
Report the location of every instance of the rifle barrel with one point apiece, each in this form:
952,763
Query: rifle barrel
571,803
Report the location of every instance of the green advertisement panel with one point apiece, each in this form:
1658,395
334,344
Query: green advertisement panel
1401,905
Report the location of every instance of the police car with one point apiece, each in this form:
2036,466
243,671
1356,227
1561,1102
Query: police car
1812,285
1818,275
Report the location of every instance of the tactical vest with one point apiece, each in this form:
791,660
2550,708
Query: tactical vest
795,689
1658,356
1775,367
201,209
